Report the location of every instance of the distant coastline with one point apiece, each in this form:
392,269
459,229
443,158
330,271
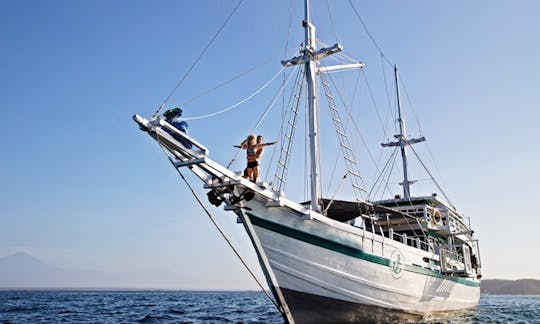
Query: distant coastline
510,287
122,289
23,272
488,287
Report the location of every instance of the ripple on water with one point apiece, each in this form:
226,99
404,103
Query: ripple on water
209,307
155,318
176,311
213,319
22,309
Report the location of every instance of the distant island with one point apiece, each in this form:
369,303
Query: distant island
23,271
510,287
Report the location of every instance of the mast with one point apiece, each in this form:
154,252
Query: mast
313,109
402,135
310,57
403,142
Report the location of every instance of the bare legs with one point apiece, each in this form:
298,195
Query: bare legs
251,174
255,174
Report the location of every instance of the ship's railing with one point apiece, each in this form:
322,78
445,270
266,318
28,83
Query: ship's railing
476,254
414,241
455,224
456,259
415,210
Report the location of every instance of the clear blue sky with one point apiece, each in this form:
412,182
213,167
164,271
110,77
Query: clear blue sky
83,188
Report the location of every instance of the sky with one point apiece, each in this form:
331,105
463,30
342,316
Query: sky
83,188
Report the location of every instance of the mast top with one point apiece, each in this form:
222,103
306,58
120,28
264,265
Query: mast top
402,142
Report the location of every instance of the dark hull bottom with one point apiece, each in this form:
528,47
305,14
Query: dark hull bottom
308,308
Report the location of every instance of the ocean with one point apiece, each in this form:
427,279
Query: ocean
207,307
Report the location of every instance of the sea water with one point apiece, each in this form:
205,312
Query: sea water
207,307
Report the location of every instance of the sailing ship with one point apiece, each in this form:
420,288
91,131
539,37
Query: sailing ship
329,260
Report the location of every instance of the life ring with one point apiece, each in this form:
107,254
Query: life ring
436,217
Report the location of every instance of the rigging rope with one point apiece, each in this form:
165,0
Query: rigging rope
379,118
390,171
431,176
333,171
271,105
369,34
198,58
288,27
288,134
266,112
335,193
384,58
356,87
218,227
390,110
298,84
283,106
224,110
306,150
416,116
331,20
437,169
347,109
185,103
381,174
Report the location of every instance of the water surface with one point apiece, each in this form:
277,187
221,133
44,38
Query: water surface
208,307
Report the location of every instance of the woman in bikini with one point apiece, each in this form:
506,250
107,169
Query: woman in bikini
258,154
254,149
250,145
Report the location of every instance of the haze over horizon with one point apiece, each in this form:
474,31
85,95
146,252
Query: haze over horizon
84,189
23,271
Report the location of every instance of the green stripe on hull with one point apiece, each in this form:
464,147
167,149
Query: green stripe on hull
346,249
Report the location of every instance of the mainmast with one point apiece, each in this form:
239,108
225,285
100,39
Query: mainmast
310,57
403,142
310,46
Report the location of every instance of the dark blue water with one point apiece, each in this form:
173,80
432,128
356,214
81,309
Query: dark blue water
136,307
207,307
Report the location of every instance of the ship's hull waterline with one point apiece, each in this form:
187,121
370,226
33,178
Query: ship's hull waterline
328,273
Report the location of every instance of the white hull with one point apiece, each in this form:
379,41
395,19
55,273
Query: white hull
338,262
322,270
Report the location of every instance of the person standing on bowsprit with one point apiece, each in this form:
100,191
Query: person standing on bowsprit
254,150
258,154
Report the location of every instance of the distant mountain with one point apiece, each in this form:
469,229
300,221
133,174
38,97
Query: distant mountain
510,287
21,270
